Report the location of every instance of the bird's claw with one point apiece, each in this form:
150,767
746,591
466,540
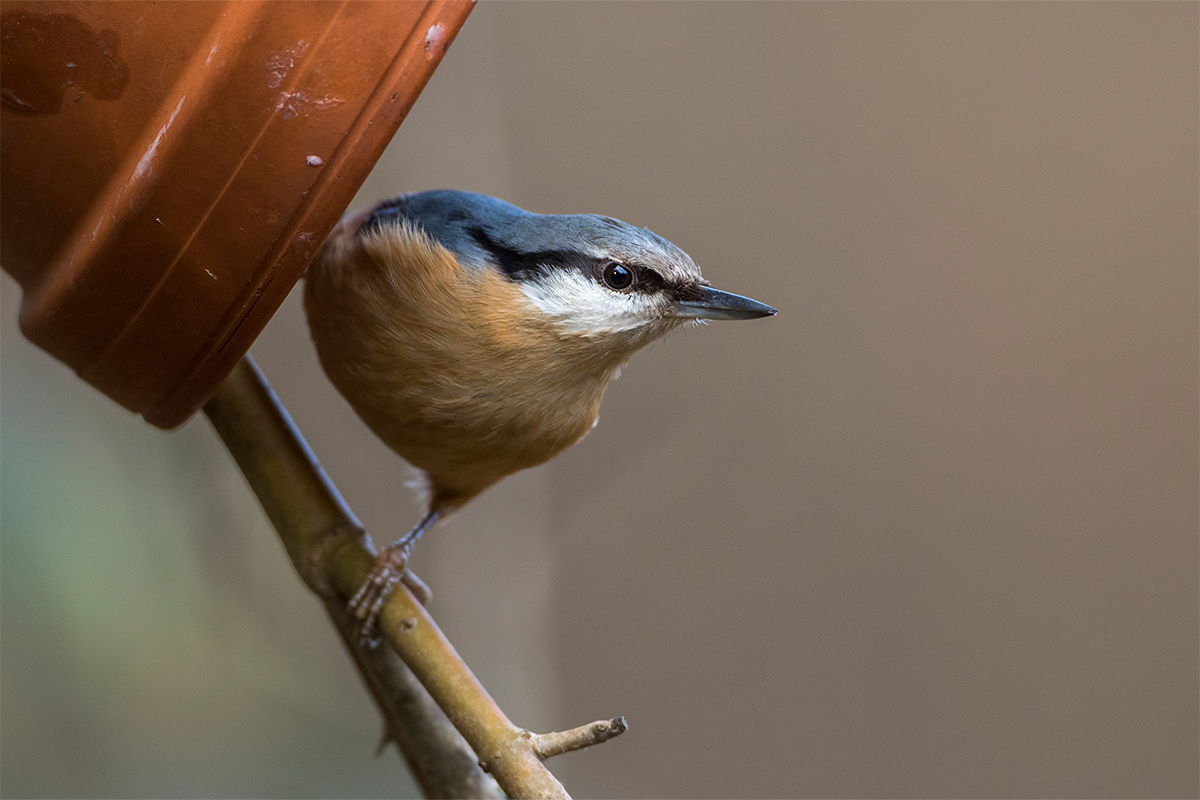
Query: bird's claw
375,592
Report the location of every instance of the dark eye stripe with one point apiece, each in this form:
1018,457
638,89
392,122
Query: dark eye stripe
517,265
649,281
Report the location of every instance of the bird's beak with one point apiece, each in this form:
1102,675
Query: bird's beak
715,304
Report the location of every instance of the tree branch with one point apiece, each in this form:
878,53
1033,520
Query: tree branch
548,745
331,552
310,516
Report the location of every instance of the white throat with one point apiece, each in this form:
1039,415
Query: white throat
581,306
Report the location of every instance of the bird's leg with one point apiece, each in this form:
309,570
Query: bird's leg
390,565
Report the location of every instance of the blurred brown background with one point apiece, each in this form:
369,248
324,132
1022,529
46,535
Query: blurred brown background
930,532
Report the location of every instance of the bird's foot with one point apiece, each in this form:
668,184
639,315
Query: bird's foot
391,568
377,589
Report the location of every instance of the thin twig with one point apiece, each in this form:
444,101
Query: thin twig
331,552
548,745
441,761
310,517
504,749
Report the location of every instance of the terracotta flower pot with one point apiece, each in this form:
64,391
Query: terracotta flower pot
169,169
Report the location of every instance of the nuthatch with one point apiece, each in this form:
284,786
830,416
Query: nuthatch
476,339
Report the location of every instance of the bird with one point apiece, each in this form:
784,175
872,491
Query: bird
476,338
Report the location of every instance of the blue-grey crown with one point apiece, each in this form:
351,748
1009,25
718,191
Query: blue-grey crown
484,231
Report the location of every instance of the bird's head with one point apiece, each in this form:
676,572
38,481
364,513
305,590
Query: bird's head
593,277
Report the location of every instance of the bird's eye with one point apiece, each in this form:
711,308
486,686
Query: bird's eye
618,276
